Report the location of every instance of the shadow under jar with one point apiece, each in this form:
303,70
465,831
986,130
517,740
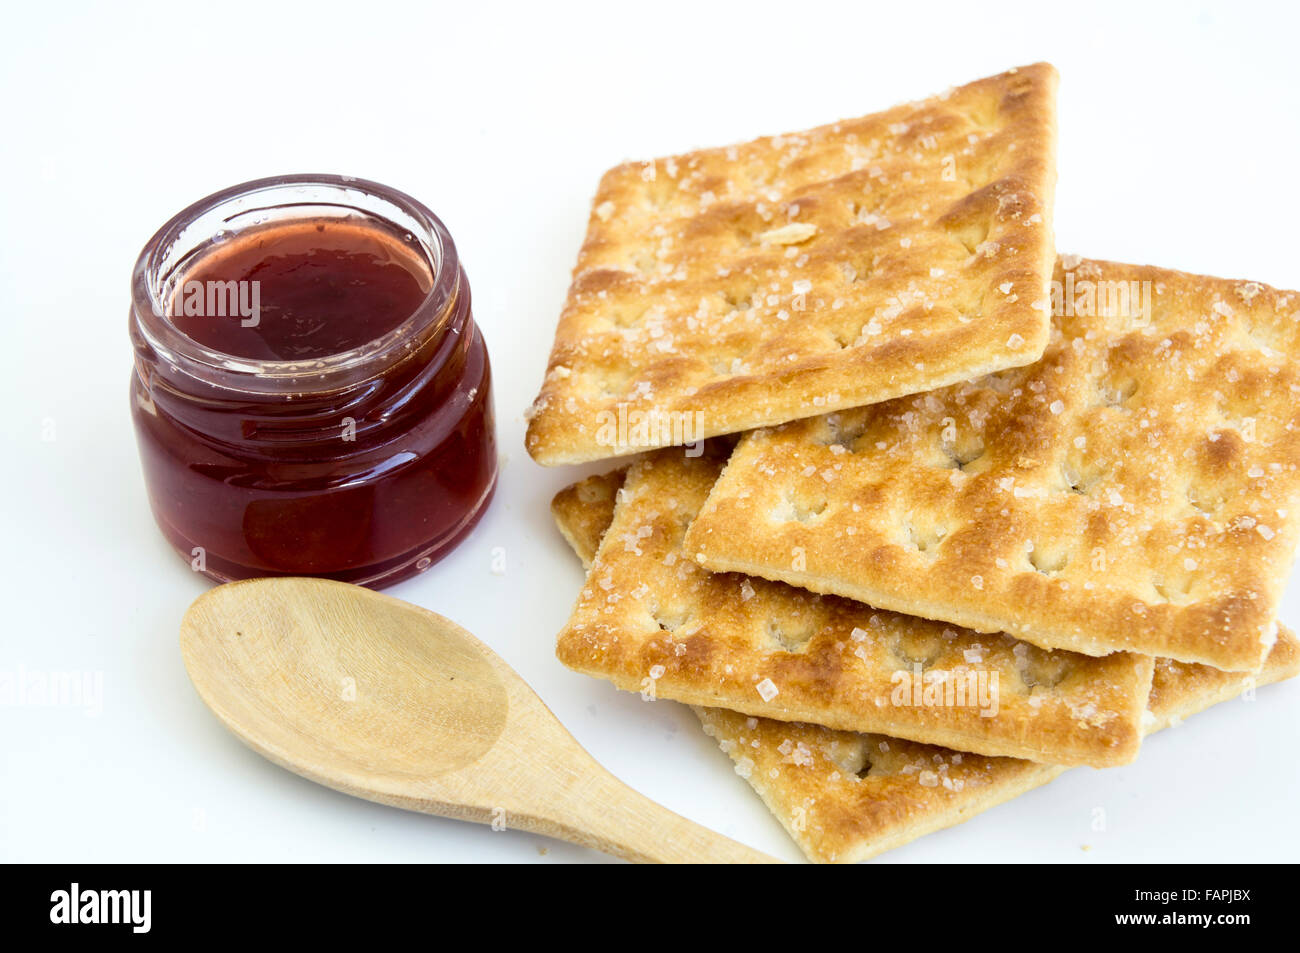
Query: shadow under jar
311,395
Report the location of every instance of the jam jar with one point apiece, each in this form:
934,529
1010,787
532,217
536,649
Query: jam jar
311,395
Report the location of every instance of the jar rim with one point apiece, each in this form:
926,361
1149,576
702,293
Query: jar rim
325,373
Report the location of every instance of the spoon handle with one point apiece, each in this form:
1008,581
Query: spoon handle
593,808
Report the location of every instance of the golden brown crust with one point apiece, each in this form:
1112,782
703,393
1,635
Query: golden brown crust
798,274
1180,689
584,510
1137,489
650,620
847,797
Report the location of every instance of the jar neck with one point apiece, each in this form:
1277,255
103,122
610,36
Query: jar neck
261,212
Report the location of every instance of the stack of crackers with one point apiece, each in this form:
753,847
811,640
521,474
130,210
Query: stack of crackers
918,514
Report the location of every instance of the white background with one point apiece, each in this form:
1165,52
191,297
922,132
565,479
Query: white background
1179,147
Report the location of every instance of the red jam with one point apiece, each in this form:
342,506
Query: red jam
322,288
311,394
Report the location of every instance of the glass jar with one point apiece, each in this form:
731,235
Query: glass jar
365,465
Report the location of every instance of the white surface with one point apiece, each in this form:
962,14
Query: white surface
1178,147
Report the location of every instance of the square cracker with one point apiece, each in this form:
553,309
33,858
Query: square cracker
846,797
651,620
1136,489
738,287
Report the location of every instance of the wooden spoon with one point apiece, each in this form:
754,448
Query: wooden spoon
386,701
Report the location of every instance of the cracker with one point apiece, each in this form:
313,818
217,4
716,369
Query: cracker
847,797
584,510
737,287
650,620
1137,489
